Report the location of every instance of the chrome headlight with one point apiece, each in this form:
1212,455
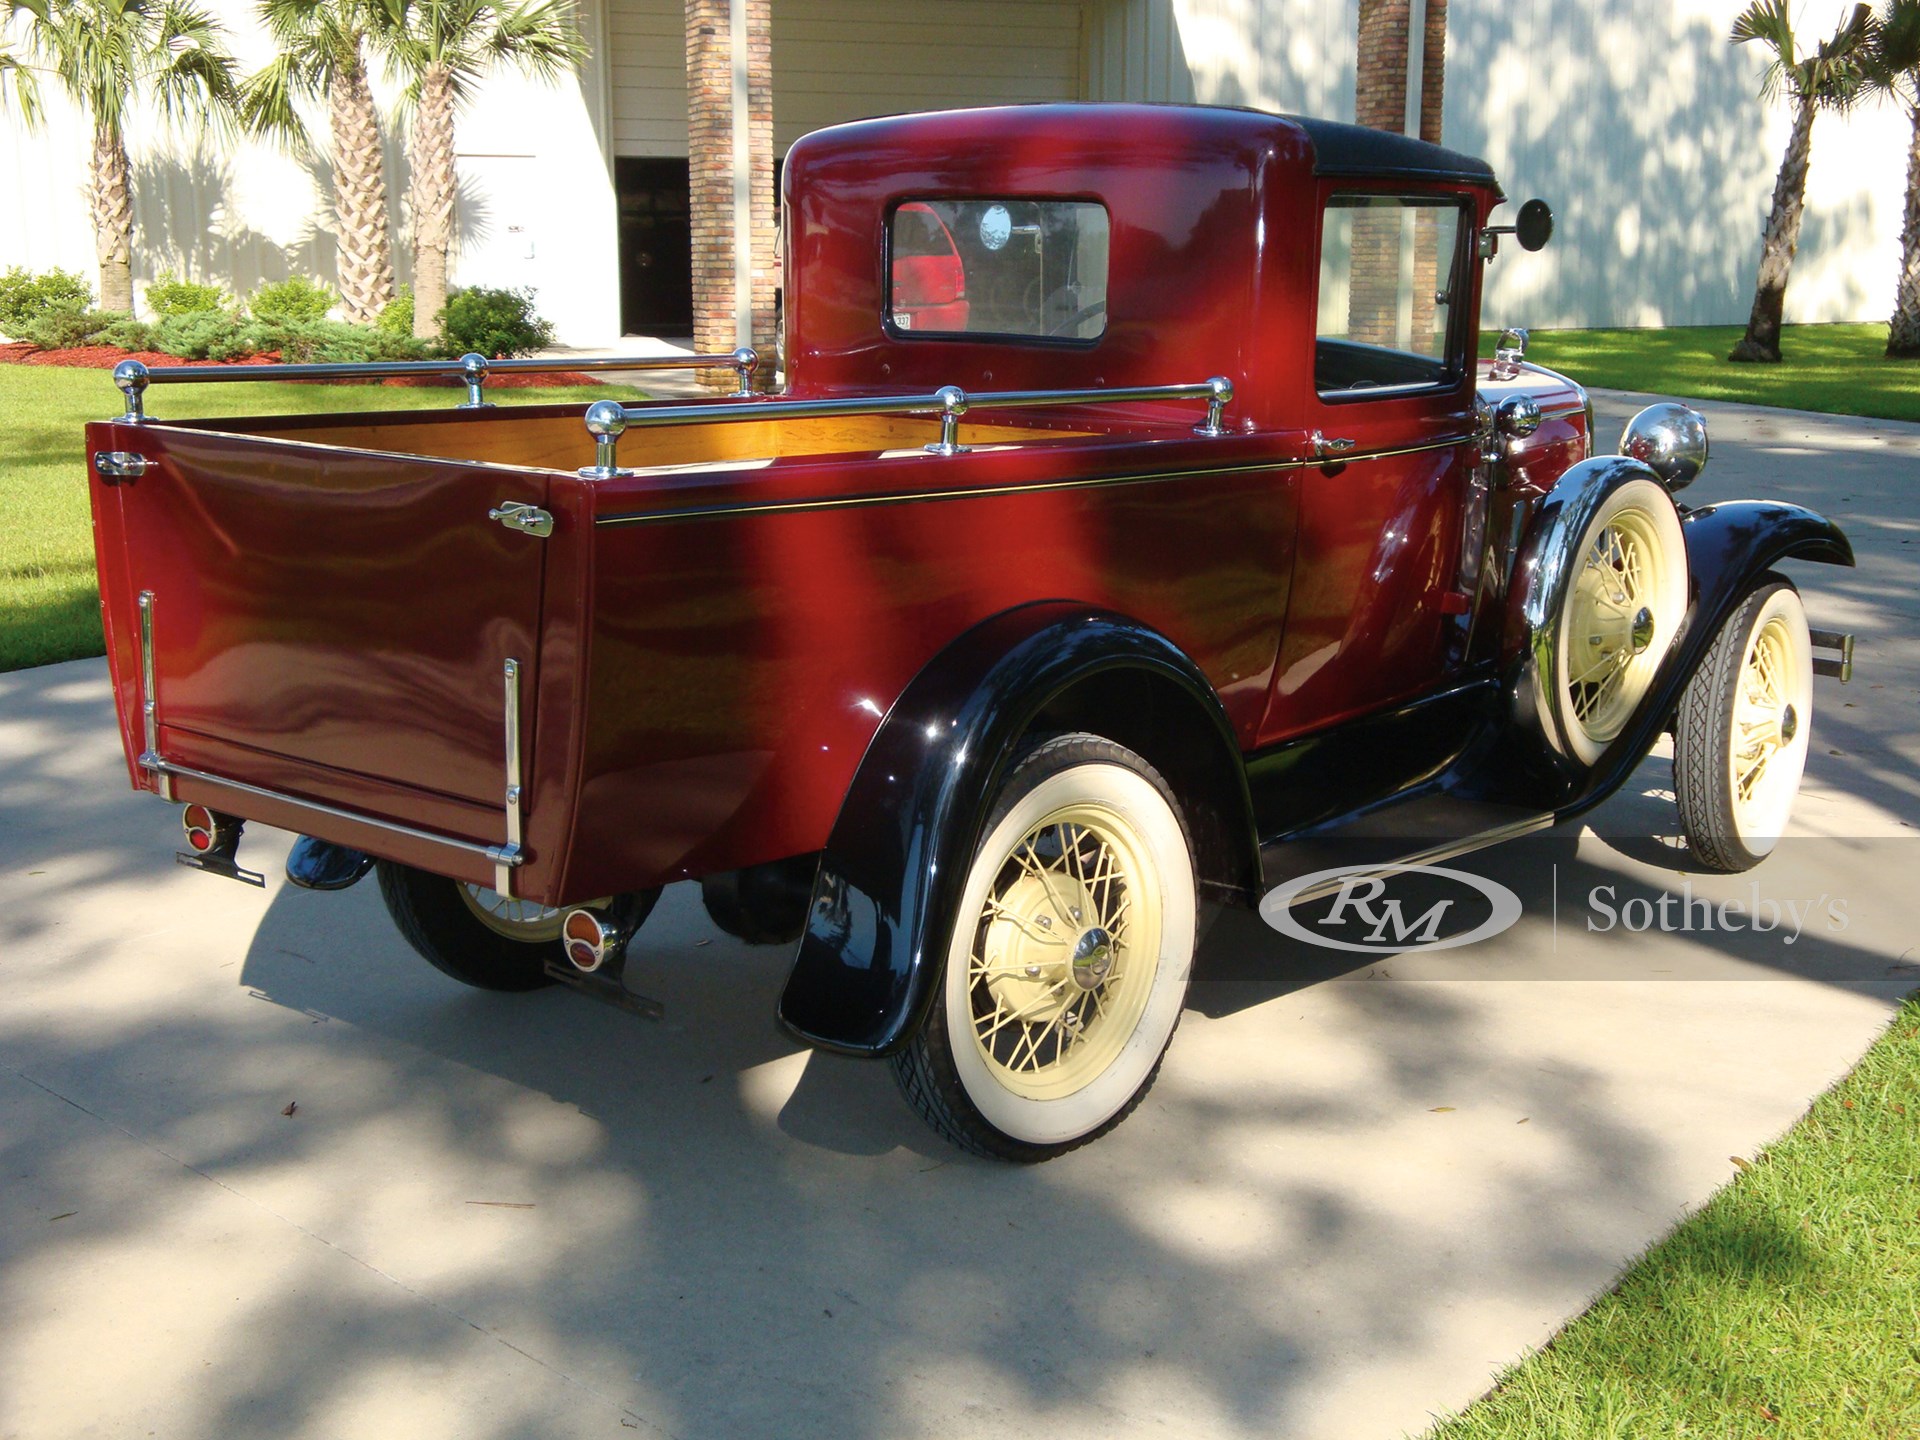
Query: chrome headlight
1670,440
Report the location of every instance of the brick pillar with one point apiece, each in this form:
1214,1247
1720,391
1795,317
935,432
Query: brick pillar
1380,67
710,169
1433,71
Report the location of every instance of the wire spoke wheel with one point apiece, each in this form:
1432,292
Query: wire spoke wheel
1744,726
522,920
1067,963
1063,954
1623,609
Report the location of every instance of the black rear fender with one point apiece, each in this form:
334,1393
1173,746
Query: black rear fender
889,882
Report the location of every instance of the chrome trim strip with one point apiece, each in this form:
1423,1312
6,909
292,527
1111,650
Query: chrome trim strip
495,854
503,867
149,697
983,492
1434,855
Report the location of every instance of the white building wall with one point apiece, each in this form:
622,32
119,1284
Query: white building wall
1635,119
648,49
536,197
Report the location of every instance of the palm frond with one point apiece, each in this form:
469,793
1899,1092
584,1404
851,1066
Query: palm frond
192,74
1768,23
17,81
1894,55
267,105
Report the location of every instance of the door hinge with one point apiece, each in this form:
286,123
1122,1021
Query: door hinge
527,519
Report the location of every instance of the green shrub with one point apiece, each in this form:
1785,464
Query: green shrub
213,335
25,296
64,326
128,333
494,323
293,301
396,316
170,296
331,342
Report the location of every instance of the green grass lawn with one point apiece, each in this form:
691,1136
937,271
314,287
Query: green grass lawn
1789,1306
1838,369
49,605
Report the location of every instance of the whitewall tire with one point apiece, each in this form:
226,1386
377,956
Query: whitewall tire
1744,725
1622,610
1068,963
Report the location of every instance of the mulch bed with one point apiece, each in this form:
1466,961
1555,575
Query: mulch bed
105,357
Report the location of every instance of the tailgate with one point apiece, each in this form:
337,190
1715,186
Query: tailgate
323,617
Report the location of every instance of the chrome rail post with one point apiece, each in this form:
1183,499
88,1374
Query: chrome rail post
507,856
745,361
1220,395
149,702
131,376
473,370
953,404
606,422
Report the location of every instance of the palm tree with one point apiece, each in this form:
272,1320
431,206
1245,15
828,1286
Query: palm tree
443,48
106,54
1828,79
322,47
1894,70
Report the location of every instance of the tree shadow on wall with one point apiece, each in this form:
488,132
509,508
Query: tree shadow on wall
1645,146
190,223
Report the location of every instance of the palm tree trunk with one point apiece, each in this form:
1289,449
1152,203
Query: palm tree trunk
360,195
1782,238
433,196
111,187
1903,336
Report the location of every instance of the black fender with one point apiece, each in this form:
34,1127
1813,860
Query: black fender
889,881
1730,547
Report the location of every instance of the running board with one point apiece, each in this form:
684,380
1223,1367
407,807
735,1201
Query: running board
1388,841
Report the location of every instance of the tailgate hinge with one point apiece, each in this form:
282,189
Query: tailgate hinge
527,519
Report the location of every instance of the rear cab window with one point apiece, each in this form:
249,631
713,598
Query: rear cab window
1010,267
1392,306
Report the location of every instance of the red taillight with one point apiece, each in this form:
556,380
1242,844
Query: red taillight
198,822
588,942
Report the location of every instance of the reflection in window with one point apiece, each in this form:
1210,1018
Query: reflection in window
992,266
1389,269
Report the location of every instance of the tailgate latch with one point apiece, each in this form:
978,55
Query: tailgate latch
119,464
527,519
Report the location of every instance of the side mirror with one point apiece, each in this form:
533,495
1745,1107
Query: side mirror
1535,227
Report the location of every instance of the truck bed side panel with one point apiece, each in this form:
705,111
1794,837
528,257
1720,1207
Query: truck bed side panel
754,627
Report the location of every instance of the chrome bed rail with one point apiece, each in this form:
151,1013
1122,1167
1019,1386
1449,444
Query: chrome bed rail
607,420
133,376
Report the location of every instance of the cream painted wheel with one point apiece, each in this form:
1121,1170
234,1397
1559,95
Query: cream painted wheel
1745,723
521,920
1623,609
1067,967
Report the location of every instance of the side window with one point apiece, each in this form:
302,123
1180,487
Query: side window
1034,269
1390,281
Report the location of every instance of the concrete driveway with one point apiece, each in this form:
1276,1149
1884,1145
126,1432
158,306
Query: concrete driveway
263,1172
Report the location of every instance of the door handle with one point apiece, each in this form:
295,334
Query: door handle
1325,446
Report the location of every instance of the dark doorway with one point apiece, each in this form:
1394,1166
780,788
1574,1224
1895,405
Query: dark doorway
656,246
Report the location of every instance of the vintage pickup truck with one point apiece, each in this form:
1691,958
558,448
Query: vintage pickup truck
1135,520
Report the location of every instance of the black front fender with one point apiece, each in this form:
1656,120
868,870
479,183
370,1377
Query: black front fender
1730,546
890,878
